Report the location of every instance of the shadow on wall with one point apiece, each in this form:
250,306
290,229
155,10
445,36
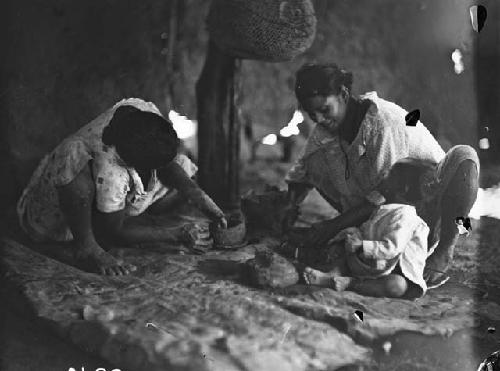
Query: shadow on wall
401,49
67,62
488,82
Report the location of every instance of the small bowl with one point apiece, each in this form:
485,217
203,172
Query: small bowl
231,237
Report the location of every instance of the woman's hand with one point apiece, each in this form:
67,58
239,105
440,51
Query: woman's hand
173,175
352,243
220,220
217,216
196,235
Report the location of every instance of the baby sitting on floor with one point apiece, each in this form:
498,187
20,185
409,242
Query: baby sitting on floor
385,256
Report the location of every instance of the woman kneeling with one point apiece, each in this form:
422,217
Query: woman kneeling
115,167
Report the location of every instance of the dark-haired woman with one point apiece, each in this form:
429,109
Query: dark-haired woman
115,167
356,140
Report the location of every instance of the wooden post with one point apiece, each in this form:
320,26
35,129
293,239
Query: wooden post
170,51
218,129
234,145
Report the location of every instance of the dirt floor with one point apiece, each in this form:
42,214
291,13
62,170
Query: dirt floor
28,346
475,269
229,325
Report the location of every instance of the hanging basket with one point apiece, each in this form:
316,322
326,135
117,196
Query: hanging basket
268,30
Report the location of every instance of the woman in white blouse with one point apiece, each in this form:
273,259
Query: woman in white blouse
356,141
386,255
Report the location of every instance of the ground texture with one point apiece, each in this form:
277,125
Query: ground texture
182,311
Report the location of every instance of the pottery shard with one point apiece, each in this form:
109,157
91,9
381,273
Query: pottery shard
271,270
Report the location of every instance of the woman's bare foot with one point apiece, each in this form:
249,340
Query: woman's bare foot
318,278
342,283
436,267
95,260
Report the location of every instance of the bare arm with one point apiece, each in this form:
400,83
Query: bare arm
115,227
323,231
174,176
166,203
297,192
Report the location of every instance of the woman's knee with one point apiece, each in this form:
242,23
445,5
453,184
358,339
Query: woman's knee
464,181
395,286
464,184
461,152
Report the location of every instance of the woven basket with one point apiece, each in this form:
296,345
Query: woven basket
268,30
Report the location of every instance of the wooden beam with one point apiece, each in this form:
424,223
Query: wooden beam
218,129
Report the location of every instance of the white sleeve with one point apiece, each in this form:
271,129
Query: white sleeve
422,145
187,165
386,146
399,234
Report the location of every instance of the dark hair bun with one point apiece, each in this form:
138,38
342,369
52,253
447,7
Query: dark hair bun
141,136
108,135
321,79
124,111
408,173
110,131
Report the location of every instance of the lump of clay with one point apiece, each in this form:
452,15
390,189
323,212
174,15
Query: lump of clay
271,270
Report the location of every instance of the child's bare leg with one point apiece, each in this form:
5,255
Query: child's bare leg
391,286
318,278
325,279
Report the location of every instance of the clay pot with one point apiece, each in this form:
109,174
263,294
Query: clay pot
271,270
231,237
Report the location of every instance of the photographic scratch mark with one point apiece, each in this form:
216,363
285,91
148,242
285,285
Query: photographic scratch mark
491,362
208,358
286,331
387,347
478,15
463,224
358,315
412,117
484,143
151,324
458,64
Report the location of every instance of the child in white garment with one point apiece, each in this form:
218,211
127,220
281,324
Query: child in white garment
385,256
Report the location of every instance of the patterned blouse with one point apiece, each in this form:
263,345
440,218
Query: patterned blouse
347,173
118,187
